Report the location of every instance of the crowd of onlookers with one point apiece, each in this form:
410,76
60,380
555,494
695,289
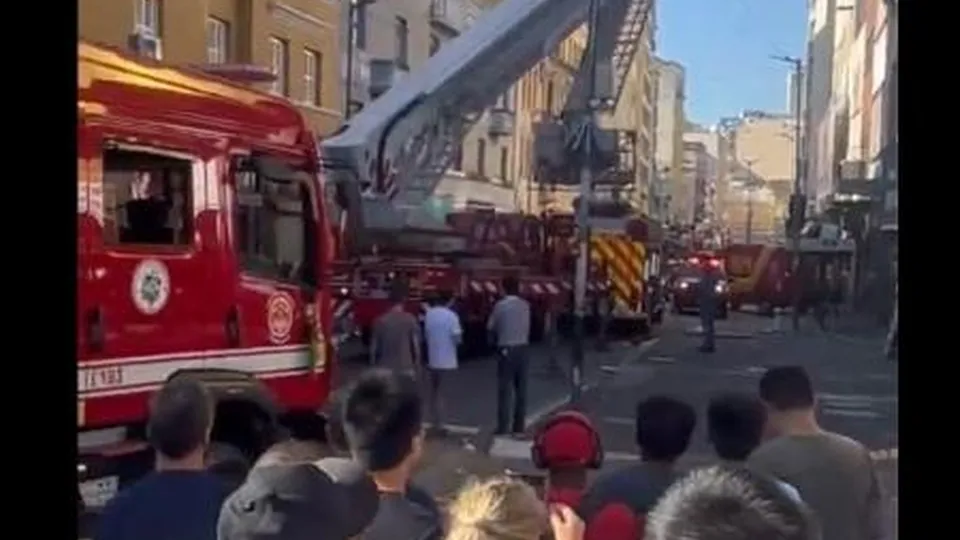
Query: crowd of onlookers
778,476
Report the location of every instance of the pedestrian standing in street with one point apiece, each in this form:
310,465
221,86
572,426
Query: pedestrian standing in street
509,325
395,340
708,303
181,499
383,424
729,503
664,428
893,333
442,330
834,474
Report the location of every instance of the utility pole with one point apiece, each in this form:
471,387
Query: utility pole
750,184
798,204
586,148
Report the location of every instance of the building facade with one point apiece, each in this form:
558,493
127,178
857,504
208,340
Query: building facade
670,120
767,141
720,166
296,40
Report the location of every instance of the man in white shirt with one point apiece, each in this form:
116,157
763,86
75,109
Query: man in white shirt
442,330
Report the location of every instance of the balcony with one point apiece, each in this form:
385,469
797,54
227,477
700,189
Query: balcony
452,16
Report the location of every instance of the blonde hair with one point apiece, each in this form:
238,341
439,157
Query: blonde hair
500,508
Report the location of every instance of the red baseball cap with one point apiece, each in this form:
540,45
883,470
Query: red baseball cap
568,440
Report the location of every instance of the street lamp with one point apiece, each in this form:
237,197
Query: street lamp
354,7
797,203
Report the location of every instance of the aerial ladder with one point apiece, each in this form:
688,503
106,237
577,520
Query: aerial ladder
387,160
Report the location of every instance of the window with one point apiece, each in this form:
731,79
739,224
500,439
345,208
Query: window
147,15
146,198
312,73
549,107
360,26
458,158
274,221
504,164
482,157
402,44
217,41
279,63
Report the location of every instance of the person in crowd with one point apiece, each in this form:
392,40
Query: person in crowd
503,508
833,473
567,446
443,333
728,503
735,426
708,301
664,428
395,339
180,499
510,325
382,420
293,493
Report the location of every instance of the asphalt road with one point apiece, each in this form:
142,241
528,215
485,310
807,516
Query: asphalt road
857,388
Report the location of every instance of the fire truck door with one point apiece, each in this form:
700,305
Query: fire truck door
277,260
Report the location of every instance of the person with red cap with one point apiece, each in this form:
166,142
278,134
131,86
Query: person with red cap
566,446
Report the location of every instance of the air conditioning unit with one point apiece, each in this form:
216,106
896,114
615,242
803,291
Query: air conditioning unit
500,123
145,43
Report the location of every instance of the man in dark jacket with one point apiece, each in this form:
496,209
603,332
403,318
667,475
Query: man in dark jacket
707,301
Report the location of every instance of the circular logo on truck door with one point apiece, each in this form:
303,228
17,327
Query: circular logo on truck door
150,288
280,313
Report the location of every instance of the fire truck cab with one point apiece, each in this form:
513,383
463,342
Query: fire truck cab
203,252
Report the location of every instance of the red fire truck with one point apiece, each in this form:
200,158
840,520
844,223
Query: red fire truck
203,251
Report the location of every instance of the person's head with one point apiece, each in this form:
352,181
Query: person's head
788,395
290,452
664,428
382,421
728,503
398,291
289,496
444,297
511,285
735,425
180,421
567,440
500,508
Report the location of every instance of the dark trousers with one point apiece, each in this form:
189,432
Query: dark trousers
709,333
436,378
511,387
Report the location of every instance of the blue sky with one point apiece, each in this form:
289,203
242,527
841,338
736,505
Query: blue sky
725,46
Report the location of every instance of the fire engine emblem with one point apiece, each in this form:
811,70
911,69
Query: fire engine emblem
150,288
280,313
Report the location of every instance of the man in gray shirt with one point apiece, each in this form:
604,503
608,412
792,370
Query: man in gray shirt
395,340
834,474
510,325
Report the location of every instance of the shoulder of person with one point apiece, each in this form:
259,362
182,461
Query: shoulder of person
420,497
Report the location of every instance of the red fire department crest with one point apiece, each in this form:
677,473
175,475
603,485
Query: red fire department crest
280,313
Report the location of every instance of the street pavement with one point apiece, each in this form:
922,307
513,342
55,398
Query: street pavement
857,391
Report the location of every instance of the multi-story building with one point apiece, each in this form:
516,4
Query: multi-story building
540,94
670,81
294,40
689,207
819,111
719,155
767,141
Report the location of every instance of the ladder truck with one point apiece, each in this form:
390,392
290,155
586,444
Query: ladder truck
387,160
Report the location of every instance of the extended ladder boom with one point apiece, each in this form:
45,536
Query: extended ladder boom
397,148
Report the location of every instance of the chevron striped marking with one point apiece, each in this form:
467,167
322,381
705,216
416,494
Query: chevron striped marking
624,259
